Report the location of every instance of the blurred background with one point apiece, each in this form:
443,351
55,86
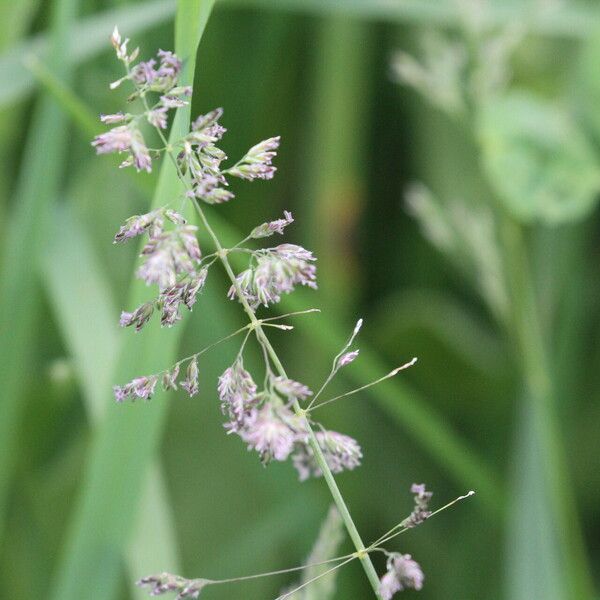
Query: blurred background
442,159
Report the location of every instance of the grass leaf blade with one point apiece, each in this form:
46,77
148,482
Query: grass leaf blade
119,456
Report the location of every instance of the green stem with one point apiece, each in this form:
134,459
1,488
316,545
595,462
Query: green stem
318,453
266,344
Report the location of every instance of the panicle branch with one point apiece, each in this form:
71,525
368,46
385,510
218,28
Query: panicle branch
402,571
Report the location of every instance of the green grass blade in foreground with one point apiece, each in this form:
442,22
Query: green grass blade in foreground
125,444
88,39
152,549
37,187
76,287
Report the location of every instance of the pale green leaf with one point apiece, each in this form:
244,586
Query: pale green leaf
78,288
539,162
88,38
119,456
534,568
27,233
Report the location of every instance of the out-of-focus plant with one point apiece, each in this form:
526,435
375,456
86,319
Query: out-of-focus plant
539,171
277,419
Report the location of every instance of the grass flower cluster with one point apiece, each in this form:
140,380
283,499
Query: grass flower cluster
273,415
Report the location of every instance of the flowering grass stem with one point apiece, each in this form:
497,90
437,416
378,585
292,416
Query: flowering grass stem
318,453
257,326
272,422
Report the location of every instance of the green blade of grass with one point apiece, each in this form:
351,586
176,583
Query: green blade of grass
89,37
325,548
15,17
15,20
123,447
76,287
539,382
152,549
27,234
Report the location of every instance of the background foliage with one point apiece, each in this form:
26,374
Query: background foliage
488,275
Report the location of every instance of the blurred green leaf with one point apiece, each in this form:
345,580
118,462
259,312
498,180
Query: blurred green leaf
27,234
90,35
68,101
586,82
77,288
152,549
534,568
464,232
334,149
326,547
88,38
15,17
447,319
541,394
119,456
537,159
570,20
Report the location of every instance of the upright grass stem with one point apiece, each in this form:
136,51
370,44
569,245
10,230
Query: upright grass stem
268,348
319,457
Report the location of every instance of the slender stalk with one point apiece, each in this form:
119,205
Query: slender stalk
318,453
337,559
410,363
270,351
400,528
303,585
